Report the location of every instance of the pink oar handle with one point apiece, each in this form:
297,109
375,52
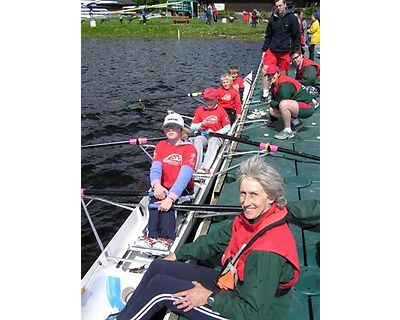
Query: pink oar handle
268,147
138,140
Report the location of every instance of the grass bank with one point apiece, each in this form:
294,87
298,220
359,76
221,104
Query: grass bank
165,28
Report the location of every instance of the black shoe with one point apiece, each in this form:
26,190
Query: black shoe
296,124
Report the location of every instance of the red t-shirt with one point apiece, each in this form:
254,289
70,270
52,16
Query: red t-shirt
238,83
172,159
215,119
229,98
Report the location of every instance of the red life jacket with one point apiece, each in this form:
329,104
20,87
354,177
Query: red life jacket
278,240
284,78
307,62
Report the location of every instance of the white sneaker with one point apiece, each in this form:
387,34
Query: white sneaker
163,244
254,115
284,135
315,103
203,170
145,242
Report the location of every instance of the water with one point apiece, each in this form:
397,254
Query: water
115,71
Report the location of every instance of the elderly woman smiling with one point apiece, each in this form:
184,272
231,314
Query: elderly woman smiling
261,271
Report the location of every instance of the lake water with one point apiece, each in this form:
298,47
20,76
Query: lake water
115,71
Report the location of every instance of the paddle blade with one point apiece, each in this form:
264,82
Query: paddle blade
114,293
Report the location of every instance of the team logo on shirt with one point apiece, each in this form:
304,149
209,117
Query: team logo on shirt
174,159
192,158
226,97
213,119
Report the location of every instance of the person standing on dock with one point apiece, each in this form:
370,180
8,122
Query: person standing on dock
170,177
281,37
263,273
229,98
290,100
209,117
143,14
307,72
314,30
209,14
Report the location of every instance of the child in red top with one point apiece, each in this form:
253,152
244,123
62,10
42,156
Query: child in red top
229,98
170,176
209,117
237,80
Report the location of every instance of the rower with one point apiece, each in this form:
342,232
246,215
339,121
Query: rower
170,177
209,117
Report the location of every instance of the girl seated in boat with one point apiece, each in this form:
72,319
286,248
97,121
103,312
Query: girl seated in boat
209,117
229,98
290,100
237,80
170,177
264,274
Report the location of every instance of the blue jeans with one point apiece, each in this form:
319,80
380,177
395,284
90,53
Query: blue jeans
161,280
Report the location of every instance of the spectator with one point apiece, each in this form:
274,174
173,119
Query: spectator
215,13
254,18
314,30
281,37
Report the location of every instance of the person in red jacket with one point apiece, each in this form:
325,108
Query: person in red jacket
209,117
290,100
237,80
229,98
170,177
307,72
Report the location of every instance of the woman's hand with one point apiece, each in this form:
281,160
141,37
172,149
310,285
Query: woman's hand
166,204
170,257
159,191
191,298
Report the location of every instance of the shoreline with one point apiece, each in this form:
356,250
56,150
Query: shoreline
164,28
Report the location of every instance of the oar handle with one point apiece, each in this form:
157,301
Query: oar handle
122,193
202,207
144,140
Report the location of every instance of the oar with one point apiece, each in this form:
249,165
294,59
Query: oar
266,146
190,95
108,192
142,107
134,141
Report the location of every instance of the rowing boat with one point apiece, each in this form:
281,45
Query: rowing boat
121,264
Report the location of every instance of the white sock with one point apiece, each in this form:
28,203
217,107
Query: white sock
289,130
265,92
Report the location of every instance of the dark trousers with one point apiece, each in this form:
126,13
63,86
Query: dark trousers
232,114
163,223
161,280
311,49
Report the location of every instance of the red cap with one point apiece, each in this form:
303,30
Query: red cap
272,69
210,93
